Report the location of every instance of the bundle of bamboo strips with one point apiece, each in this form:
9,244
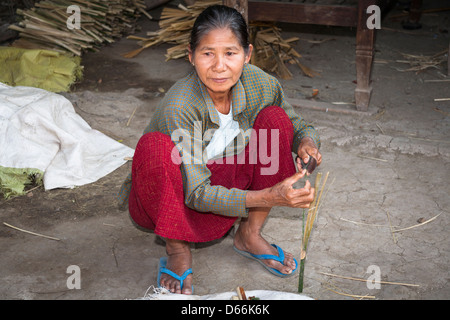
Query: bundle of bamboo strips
45,25
271,52
308,223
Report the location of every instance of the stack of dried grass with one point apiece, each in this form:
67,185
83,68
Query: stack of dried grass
45,25
420,63
271,51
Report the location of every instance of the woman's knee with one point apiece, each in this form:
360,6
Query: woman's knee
156,147
274,117
276,121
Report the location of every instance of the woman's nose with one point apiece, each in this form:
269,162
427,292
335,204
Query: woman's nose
219,63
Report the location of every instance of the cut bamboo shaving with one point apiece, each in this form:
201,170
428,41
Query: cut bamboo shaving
393,228
417,225
30,232
372,158
365,280
355,296
365,224
132,115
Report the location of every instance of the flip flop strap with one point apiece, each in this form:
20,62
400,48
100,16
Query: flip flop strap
179,278
279,258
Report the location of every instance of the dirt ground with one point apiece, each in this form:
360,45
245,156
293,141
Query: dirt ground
388,169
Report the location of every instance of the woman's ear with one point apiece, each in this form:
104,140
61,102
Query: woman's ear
190,55
249,53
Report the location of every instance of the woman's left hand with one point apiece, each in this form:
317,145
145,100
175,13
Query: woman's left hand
307,149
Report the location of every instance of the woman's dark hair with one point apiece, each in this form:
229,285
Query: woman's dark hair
219,17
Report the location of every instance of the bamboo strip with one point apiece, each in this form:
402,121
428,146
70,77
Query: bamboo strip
364,280
417,225
350,295
30,232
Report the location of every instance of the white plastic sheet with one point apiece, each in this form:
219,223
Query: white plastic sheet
40,129
163,294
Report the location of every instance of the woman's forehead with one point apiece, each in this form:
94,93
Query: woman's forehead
219,38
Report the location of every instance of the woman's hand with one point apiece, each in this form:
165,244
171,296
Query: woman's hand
283,194
307,149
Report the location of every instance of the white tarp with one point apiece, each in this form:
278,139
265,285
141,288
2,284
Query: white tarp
40,129
163,294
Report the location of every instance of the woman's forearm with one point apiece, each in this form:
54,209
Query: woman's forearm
259,198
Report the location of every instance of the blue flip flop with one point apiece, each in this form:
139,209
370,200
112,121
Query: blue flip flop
162,269
260,257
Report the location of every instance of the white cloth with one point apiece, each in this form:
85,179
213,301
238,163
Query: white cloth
163,294
224,135
41,130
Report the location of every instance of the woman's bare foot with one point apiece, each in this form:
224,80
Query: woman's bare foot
178,261
251,241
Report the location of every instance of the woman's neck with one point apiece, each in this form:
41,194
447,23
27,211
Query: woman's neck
221,101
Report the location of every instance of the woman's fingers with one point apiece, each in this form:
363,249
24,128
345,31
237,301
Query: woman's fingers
296,198
302,198
309,149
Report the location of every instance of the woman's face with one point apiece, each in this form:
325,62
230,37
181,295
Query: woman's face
219,59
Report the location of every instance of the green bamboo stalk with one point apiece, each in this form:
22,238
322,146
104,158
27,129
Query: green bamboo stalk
307,227
301,274
302,261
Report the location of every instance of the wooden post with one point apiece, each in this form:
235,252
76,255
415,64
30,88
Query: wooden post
415,12
239,5
365,39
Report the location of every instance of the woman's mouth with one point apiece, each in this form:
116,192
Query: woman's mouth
219,80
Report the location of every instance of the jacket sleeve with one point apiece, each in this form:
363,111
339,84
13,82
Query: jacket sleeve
301,128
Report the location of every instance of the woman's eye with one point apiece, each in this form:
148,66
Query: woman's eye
229,53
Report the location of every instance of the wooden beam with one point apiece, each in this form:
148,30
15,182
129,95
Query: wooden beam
344,16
